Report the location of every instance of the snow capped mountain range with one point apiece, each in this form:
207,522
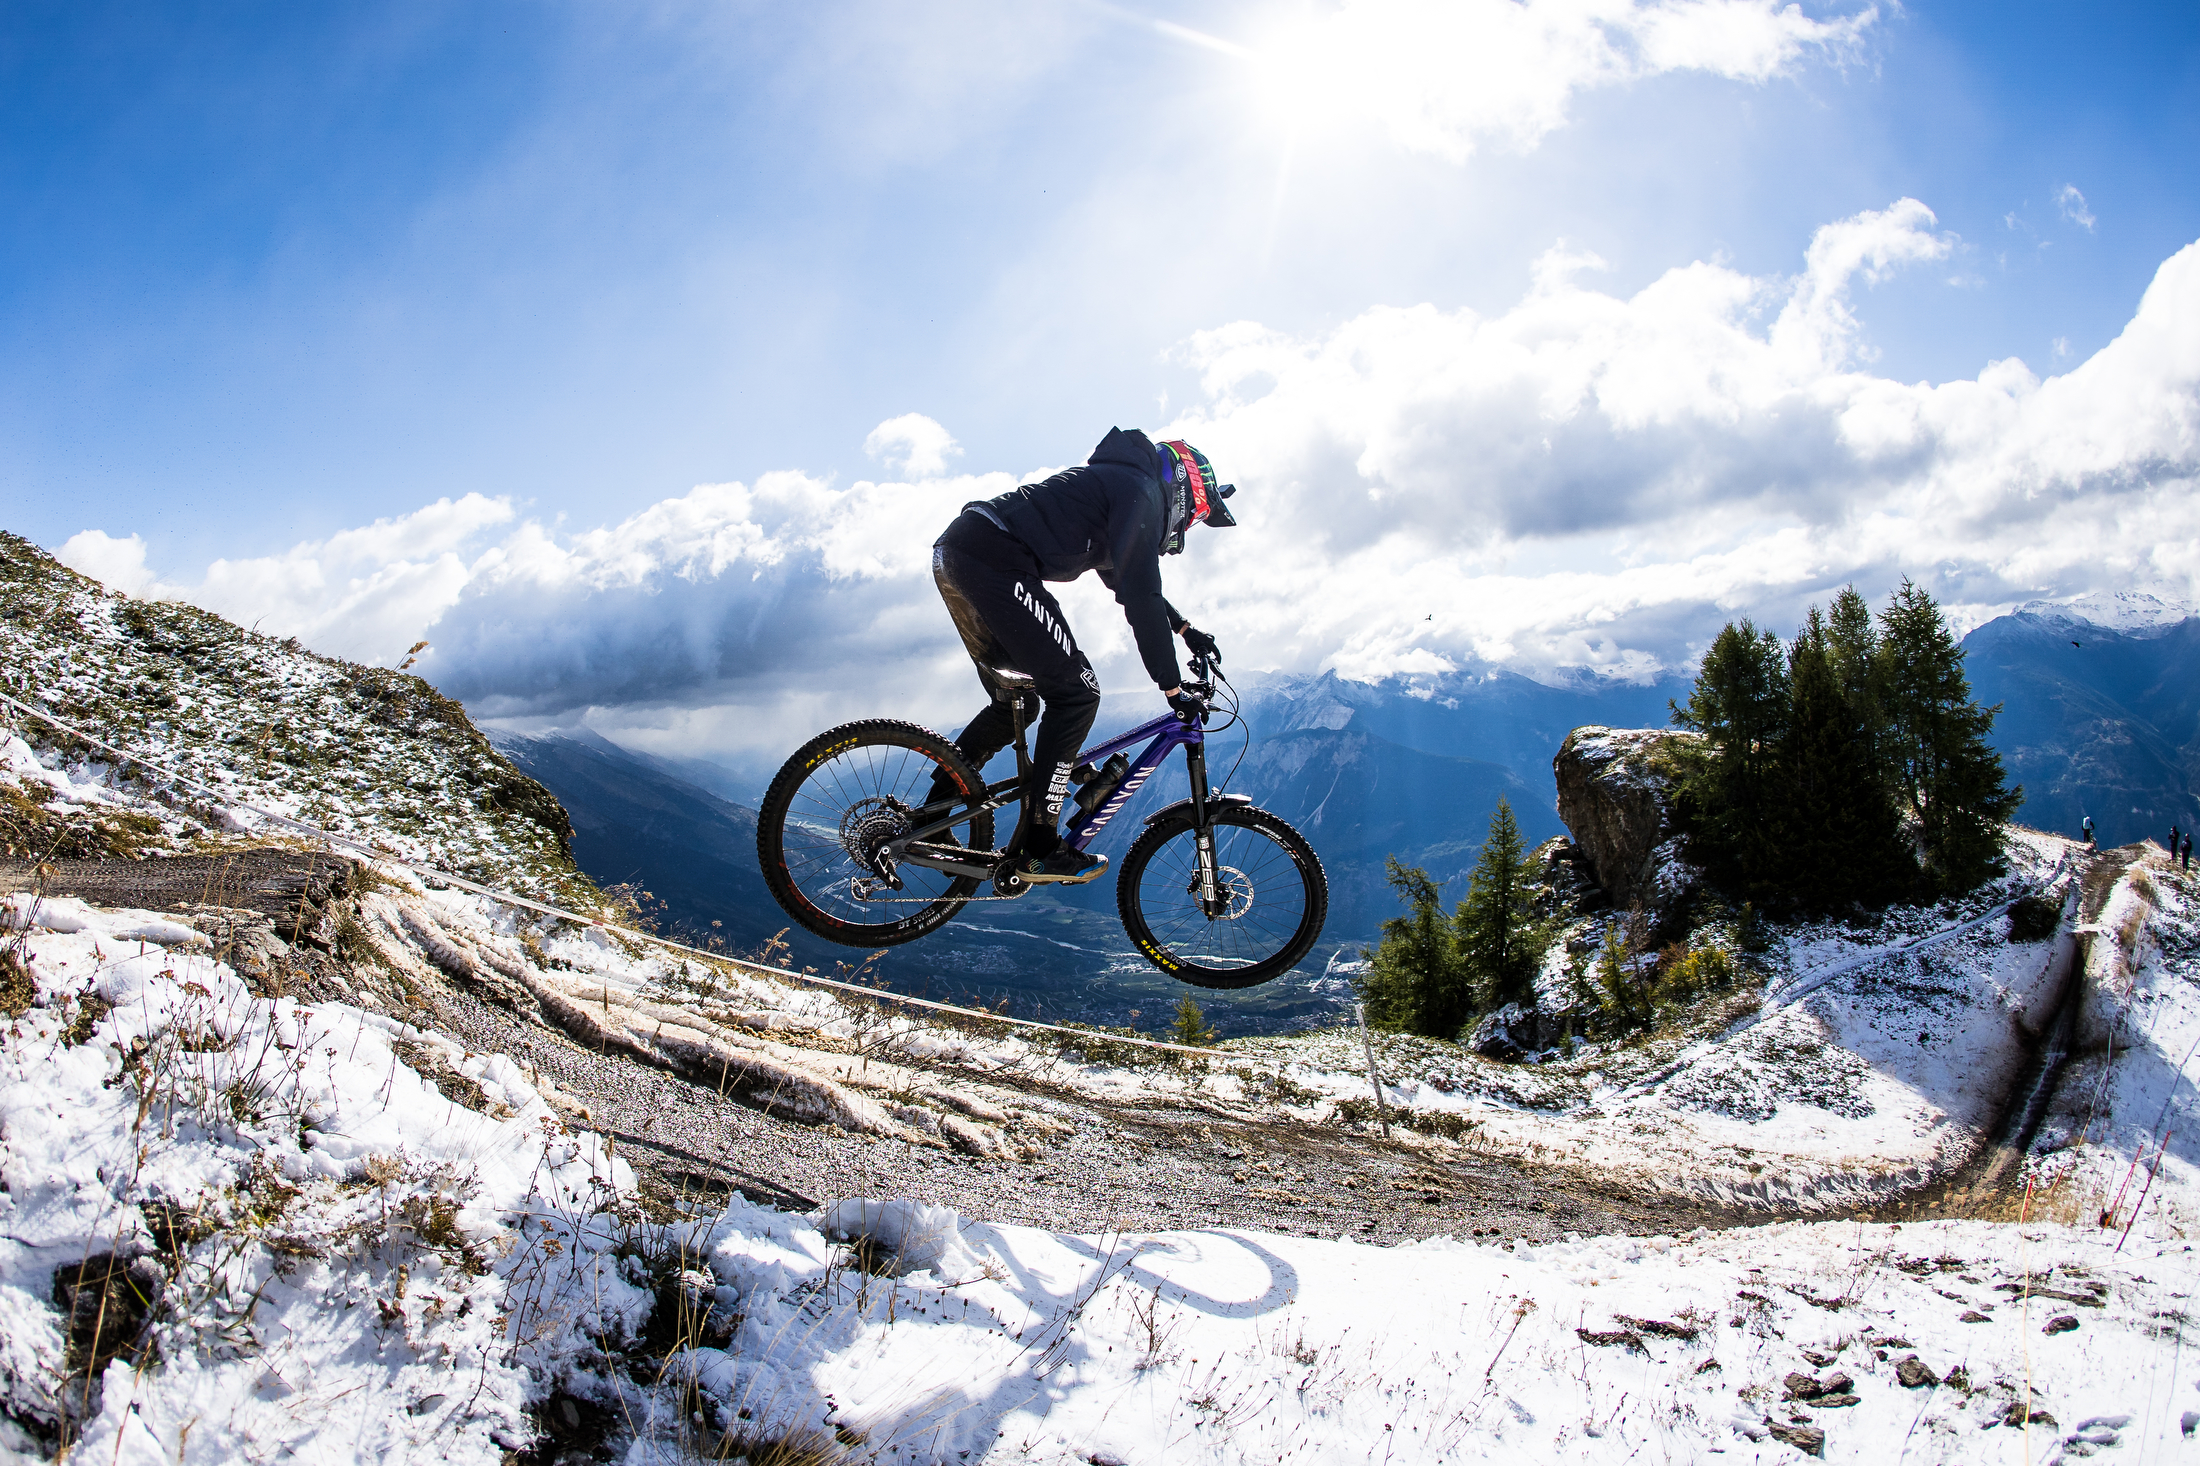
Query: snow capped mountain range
2133,612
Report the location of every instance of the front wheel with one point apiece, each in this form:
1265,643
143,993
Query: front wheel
835,803
1268,903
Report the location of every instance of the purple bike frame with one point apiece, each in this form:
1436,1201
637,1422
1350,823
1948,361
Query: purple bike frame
1168,732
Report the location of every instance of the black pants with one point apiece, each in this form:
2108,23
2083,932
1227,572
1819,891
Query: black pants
1009,620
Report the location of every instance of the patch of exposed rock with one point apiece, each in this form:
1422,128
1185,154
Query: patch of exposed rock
1615,793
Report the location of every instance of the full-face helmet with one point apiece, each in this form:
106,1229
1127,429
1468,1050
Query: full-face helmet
1188,483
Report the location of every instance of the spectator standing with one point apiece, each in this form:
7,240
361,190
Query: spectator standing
2088,828
2184,854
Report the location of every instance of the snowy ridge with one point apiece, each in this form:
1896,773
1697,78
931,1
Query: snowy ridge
2134,613
377,755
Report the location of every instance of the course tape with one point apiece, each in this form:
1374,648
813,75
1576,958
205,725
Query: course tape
785,974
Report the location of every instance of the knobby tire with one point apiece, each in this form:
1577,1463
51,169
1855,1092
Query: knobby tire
799,843
1289,899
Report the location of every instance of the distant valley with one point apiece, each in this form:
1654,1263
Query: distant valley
1406,766
2100,712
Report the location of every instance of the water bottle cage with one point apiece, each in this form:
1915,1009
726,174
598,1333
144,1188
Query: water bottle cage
1098,783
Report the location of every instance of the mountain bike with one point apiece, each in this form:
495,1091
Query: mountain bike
1213,891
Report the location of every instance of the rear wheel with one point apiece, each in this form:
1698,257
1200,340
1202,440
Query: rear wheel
1269,904
831,807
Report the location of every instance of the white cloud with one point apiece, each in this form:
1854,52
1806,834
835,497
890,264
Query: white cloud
1586,480
364,593
1446,76
120,564
912,444
1583,481
2071,203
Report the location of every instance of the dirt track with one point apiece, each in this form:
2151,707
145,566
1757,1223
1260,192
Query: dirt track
1167,1164
1148,1168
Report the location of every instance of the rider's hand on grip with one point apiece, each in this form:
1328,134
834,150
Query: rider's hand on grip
1186,703
1203,645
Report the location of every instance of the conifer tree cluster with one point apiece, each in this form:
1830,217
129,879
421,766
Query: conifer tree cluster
1850,765
1435,974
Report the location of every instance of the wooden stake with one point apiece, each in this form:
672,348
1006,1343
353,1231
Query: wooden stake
1382,1114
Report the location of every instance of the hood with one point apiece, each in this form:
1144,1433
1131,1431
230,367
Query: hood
1130,448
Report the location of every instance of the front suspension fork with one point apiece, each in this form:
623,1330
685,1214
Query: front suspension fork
1211,899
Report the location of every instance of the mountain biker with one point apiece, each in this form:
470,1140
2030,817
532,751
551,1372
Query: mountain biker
1129,505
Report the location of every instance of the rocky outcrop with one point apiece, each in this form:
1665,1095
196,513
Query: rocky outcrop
1615,795
1564,885
1514,1032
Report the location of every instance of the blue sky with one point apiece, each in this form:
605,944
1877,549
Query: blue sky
275,273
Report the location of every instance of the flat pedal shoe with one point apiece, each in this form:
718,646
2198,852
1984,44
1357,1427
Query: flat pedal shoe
1065,867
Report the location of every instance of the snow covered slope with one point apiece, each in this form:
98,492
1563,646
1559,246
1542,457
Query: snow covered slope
234,1225
1879,1059
2127,1111
327,1250
377,755
347,1260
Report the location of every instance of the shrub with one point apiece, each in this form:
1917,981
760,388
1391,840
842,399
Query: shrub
2033,918
1685,974
1190,1028
1449,1125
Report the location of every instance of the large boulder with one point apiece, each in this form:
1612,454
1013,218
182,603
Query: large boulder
1615,788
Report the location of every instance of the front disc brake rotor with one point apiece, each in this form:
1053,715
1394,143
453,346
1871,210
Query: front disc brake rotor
1233,894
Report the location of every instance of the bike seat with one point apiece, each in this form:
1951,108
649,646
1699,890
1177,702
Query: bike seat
1008,679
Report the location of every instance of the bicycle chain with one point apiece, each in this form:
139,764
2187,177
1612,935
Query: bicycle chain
928,900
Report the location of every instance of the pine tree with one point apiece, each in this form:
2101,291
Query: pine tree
1190,1028
1623,976
1939,761
1499,943
1853,644
1838,833
1740,704
1415,981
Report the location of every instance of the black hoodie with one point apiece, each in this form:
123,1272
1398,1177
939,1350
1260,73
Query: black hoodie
1108,516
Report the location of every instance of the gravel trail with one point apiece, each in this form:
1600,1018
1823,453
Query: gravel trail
1162,1166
